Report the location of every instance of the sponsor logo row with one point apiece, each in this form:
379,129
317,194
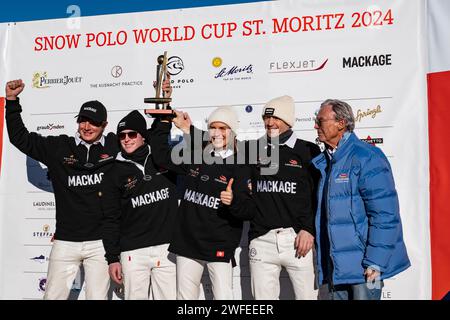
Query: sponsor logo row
182,75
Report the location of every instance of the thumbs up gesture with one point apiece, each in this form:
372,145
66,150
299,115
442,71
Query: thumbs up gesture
227,196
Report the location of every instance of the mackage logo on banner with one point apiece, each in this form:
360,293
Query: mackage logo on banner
297,65
381,60
41,80
232,72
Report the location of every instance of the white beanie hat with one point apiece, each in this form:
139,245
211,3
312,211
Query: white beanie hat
282,107
226,115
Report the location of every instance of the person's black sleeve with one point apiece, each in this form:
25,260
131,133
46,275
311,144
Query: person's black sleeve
307,218
243,206
110,201
161,152
32,144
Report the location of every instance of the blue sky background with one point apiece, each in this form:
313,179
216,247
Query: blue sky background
26,10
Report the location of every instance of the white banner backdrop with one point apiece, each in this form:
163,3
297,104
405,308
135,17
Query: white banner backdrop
3,41
368,53
438,35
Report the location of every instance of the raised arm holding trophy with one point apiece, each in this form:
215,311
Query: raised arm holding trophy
162,108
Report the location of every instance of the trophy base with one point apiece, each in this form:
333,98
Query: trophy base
157,100
160,113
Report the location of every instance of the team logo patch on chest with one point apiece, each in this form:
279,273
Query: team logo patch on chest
294,163
342,178
194,173
70,160
222,179
131,183
105,157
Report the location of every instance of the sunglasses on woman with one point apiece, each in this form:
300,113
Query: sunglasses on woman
131,135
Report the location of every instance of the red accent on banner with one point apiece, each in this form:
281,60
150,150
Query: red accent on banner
438,123
2,117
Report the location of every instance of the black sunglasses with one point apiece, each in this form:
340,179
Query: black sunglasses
131,135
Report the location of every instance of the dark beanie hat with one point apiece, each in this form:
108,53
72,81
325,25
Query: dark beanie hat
133,121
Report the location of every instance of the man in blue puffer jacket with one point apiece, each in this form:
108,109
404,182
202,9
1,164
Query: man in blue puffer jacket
359,232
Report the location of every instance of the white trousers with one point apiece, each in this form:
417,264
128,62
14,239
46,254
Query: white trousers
268,254
149,273
189,275
64,263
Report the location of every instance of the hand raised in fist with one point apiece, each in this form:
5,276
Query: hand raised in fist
182,121
13,89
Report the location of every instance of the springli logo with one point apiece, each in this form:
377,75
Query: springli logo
369,113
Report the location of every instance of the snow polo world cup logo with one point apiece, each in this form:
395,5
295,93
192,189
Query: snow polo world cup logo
175,65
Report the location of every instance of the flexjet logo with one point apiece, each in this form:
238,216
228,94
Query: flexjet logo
300,65
367,61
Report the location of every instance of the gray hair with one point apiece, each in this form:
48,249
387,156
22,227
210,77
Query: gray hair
343,111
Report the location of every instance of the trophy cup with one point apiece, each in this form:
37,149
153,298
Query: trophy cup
161,102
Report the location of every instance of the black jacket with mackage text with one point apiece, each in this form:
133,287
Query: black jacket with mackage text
287,198
76,174
139,204
205,229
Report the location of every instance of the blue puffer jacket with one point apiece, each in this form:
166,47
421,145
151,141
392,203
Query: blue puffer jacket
364,223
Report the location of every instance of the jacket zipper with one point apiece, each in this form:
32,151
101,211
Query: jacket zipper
328,228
